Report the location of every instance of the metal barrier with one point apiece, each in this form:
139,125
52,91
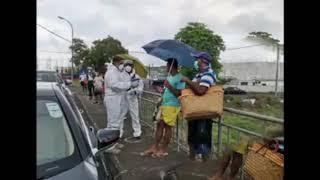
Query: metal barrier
221,131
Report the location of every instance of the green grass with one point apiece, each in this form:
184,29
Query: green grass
76,83
265,104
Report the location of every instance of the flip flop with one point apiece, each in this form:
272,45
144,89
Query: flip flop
160,155
147,153
215,178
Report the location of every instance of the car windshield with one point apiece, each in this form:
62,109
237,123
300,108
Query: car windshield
46,77
54,139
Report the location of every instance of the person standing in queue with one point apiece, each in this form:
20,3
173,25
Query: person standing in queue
98,88
200,130
170,108
116,88
130,101
83,82
90,78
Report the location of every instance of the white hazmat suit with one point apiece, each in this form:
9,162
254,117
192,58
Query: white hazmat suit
130,103
115,90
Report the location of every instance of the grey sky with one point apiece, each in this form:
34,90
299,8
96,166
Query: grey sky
136,23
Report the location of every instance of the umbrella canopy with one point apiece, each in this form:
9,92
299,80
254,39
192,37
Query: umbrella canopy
138,66
169,48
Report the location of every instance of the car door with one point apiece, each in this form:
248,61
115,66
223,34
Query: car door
105,163
88,132
98,161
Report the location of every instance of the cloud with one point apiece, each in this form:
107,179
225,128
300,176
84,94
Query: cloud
249,22
136,23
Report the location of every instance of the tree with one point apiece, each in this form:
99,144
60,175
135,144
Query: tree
267,39
200,37
264,38
80,51
103,50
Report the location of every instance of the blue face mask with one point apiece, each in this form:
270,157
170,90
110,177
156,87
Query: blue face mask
196,66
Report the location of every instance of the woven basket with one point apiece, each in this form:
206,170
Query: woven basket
209,105
263,163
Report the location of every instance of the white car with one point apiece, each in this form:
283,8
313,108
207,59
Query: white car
66,147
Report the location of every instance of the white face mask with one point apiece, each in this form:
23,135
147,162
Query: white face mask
121,67
128,69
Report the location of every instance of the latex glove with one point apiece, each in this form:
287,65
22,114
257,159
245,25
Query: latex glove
138,92
134,84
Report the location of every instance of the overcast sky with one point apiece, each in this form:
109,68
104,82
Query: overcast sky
136,23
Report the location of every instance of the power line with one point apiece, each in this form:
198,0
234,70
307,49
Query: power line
59,52
53,33
247,60
46,59
230,49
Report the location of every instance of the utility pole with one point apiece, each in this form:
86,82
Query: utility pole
48,63
72,53
56,67
277,70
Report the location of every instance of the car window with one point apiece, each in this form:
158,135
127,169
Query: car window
54,139
82,126
46,77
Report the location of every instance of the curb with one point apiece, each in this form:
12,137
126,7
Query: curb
85,109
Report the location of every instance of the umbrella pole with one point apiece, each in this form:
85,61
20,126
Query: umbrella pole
170,69
168,76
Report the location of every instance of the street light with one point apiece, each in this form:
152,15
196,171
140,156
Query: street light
62,18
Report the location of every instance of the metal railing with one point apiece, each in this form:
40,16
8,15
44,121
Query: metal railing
224,133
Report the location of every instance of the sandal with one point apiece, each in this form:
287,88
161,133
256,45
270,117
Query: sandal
160,154
148,152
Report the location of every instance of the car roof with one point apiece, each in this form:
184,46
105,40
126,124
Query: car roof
46,71
46,88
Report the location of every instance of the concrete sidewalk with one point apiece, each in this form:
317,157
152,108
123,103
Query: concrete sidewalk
133,166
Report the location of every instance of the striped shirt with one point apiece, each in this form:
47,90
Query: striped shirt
207,78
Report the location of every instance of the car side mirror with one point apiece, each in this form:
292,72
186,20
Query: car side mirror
107,137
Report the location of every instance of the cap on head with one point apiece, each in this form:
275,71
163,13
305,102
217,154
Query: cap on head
203,55
116,59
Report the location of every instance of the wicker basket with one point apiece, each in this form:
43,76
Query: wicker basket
263,163
209,105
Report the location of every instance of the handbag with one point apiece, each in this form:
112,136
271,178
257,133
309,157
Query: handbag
263,163
209,105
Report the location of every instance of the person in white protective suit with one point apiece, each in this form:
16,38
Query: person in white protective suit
130,101
115,89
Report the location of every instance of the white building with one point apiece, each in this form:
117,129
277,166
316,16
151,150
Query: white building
254,76
252,70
